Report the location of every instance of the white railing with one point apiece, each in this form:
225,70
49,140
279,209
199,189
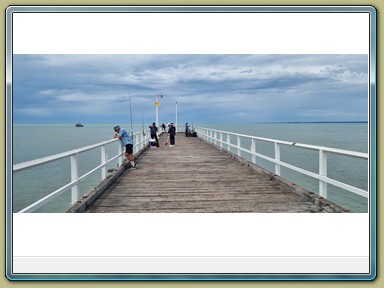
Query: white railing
216,137
140,141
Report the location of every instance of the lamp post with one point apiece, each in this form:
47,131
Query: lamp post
157,104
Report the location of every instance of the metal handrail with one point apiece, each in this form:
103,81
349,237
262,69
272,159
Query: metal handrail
140,139
216,137
44,160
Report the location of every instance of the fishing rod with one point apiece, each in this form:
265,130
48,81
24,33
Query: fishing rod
130,112
130,109
142,119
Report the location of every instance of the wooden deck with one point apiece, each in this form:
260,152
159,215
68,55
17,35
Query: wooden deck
195,176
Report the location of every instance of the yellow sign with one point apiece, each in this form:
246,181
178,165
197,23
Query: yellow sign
157,103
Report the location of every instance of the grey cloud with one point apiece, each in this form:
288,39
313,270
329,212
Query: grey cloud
277,87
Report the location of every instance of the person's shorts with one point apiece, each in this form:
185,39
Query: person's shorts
129,148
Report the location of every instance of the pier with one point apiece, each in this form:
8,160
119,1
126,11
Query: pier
215,172
195,176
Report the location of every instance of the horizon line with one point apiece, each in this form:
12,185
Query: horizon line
261,122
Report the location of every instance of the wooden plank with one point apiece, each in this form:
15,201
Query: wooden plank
195,176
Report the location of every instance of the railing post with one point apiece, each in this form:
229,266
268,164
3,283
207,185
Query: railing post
103,162
74,177
238,146
135,144
221,139
228,142
142,140
253,149
323,173
120,152
277,159
215,135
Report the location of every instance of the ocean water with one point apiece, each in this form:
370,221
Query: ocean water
32,141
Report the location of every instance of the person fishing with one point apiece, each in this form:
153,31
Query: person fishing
186,129
127,142
154,133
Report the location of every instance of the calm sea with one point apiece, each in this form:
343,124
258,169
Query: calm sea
34,141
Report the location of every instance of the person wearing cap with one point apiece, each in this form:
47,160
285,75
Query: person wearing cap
127,142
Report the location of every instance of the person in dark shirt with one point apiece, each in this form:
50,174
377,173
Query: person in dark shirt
186,129
154,133
172,133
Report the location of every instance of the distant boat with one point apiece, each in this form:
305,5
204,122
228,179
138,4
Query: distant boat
79,125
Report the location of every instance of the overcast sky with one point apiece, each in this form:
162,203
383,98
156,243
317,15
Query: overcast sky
208,88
